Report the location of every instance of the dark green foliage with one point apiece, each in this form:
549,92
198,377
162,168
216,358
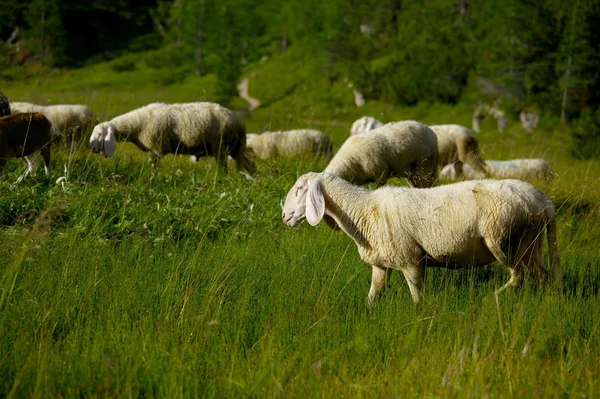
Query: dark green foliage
534,54
586,134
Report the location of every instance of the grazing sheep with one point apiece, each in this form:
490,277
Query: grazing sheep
289,143
4,105
529,120
482,110
459,225
24,134
402,149
200,129
71,120
457,145
522,169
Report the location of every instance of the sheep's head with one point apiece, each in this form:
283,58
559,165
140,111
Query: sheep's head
103,139
251,142
304,200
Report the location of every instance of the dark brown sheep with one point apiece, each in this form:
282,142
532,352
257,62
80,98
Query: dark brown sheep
24,134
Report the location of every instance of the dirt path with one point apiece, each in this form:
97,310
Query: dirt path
243,90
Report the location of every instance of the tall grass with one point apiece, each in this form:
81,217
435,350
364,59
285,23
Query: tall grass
124,280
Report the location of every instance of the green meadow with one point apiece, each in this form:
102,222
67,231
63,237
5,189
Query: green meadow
118,279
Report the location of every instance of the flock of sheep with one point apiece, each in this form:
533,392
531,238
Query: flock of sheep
464,224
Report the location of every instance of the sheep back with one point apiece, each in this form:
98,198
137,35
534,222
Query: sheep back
289,143
523,169
403,149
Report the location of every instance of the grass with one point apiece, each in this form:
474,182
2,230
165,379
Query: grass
126,280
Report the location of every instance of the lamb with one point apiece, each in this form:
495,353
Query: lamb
72,120
457,145
465,224
24,134
403,149
289,143
200,129
523,169
4,105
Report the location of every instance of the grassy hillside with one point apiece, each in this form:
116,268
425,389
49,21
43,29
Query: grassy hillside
124,280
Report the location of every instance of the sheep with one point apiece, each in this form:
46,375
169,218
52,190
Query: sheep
364,124
457,145
24,134
72,120
200,129
289,143
402,149
460,225
523,169
482,110
4,105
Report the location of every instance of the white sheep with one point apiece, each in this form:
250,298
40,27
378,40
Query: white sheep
523,169
289,143
24,135
402,149
71,120
364,124
459,225
457,145
199,129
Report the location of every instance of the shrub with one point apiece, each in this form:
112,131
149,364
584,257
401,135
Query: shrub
586,134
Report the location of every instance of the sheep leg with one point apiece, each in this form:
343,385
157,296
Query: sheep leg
46,156
32,165
414,277
458,169
154,159
222,162
378,282
516,271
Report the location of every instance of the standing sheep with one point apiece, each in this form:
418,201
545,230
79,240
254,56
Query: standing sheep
199,129
289,143
24,134
523,169
4,105
459,225
73,121
402,149
457,145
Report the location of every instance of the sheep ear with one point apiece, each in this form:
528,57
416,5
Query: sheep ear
110,142
315,203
